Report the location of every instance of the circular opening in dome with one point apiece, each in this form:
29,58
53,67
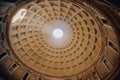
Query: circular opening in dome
58,33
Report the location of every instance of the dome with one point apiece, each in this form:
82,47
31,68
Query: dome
59,40
33,43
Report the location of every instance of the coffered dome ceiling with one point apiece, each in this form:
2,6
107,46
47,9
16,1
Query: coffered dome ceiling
34,44
61,38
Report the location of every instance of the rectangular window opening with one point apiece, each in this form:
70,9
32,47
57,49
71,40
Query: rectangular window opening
25,76
113,46
95,75
11,69
107,64
2,55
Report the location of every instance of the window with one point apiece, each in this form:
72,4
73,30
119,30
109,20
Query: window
12,67
3,55
25,76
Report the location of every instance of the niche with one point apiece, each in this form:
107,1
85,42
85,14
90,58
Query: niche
12,68
3,55
107,64
96,77
113,46
25,76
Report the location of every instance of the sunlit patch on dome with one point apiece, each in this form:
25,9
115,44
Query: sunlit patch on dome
19,15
